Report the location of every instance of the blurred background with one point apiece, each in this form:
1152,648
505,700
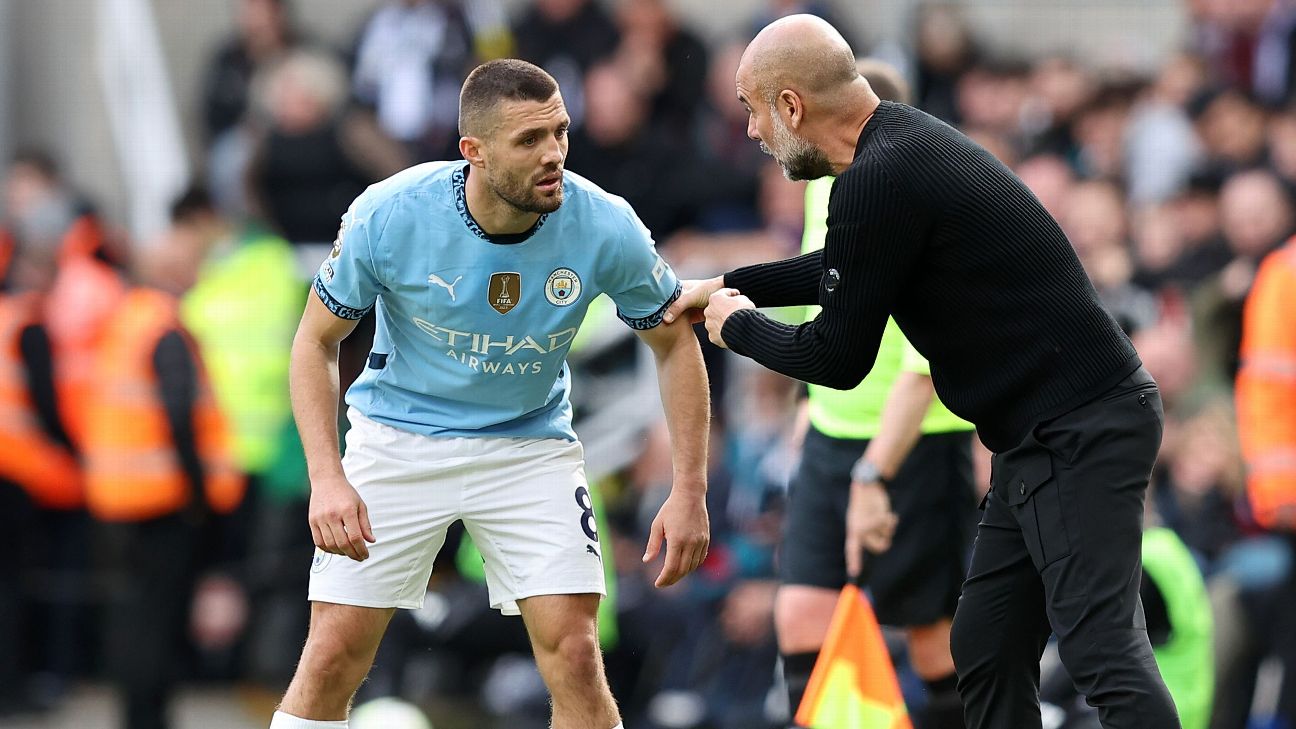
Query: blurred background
174,171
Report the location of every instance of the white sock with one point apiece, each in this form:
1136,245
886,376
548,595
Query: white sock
281,720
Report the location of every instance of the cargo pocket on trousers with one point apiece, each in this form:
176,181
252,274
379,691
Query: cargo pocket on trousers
1033,494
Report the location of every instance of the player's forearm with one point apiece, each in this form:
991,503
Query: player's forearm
686,400
901,424
313,383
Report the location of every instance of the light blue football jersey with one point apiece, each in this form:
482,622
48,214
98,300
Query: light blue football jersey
473,329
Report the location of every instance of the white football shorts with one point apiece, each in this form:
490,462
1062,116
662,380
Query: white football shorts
525,503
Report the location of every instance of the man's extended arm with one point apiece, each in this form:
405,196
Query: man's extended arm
876,237
870,524
901,425
682,521
339,520
790,282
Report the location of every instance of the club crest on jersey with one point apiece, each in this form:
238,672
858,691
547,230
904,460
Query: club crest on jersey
563,287
504,291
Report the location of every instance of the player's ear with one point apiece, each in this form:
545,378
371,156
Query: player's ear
473,150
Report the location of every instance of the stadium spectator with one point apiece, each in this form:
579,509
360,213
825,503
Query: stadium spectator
1095,222
944,48
1157,244
1248,45
242,311
1099,132
1050,178
159,471
1059,88
619,149
56,225
314,155
723,146
411,57
1281,138
781,210
567,38
666,60
1231,126
992,103
40,481
1256,217
1266,418
1161,147
264,32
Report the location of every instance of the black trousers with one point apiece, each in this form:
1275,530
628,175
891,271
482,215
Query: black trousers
1058,550
14,569
146,630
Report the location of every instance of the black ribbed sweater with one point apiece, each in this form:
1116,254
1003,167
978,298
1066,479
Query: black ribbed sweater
928,227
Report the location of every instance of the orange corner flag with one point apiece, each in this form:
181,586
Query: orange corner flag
853,685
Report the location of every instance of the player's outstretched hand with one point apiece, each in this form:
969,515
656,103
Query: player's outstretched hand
722,304
684,526
870,524
339,521
694,294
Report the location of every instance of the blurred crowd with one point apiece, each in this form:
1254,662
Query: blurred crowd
155,489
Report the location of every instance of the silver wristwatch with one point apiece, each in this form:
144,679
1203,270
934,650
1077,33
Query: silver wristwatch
865,471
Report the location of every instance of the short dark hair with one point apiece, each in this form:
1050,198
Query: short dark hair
505,79
40,160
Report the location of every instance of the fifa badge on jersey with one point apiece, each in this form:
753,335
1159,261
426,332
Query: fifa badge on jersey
504,291
563,287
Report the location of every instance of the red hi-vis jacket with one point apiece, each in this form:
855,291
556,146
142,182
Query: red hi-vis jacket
133,471
1266,390
44,468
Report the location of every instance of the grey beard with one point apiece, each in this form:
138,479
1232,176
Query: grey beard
800,159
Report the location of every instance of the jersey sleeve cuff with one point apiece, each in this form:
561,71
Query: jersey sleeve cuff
655,318
340,310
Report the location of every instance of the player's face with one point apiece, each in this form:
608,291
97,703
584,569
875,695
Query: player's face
525,154
799,159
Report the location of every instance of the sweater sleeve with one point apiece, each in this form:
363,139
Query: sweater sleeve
790,282
875,237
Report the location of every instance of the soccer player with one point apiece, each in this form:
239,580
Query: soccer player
928,227
481,271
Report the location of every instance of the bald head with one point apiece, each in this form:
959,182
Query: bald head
801,53
806,102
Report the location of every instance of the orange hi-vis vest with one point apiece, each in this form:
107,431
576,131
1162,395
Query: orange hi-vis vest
7,247
44,468
85,295
133,471
1266,390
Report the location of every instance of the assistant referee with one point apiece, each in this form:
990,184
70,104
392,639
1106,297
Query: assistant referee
930,228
